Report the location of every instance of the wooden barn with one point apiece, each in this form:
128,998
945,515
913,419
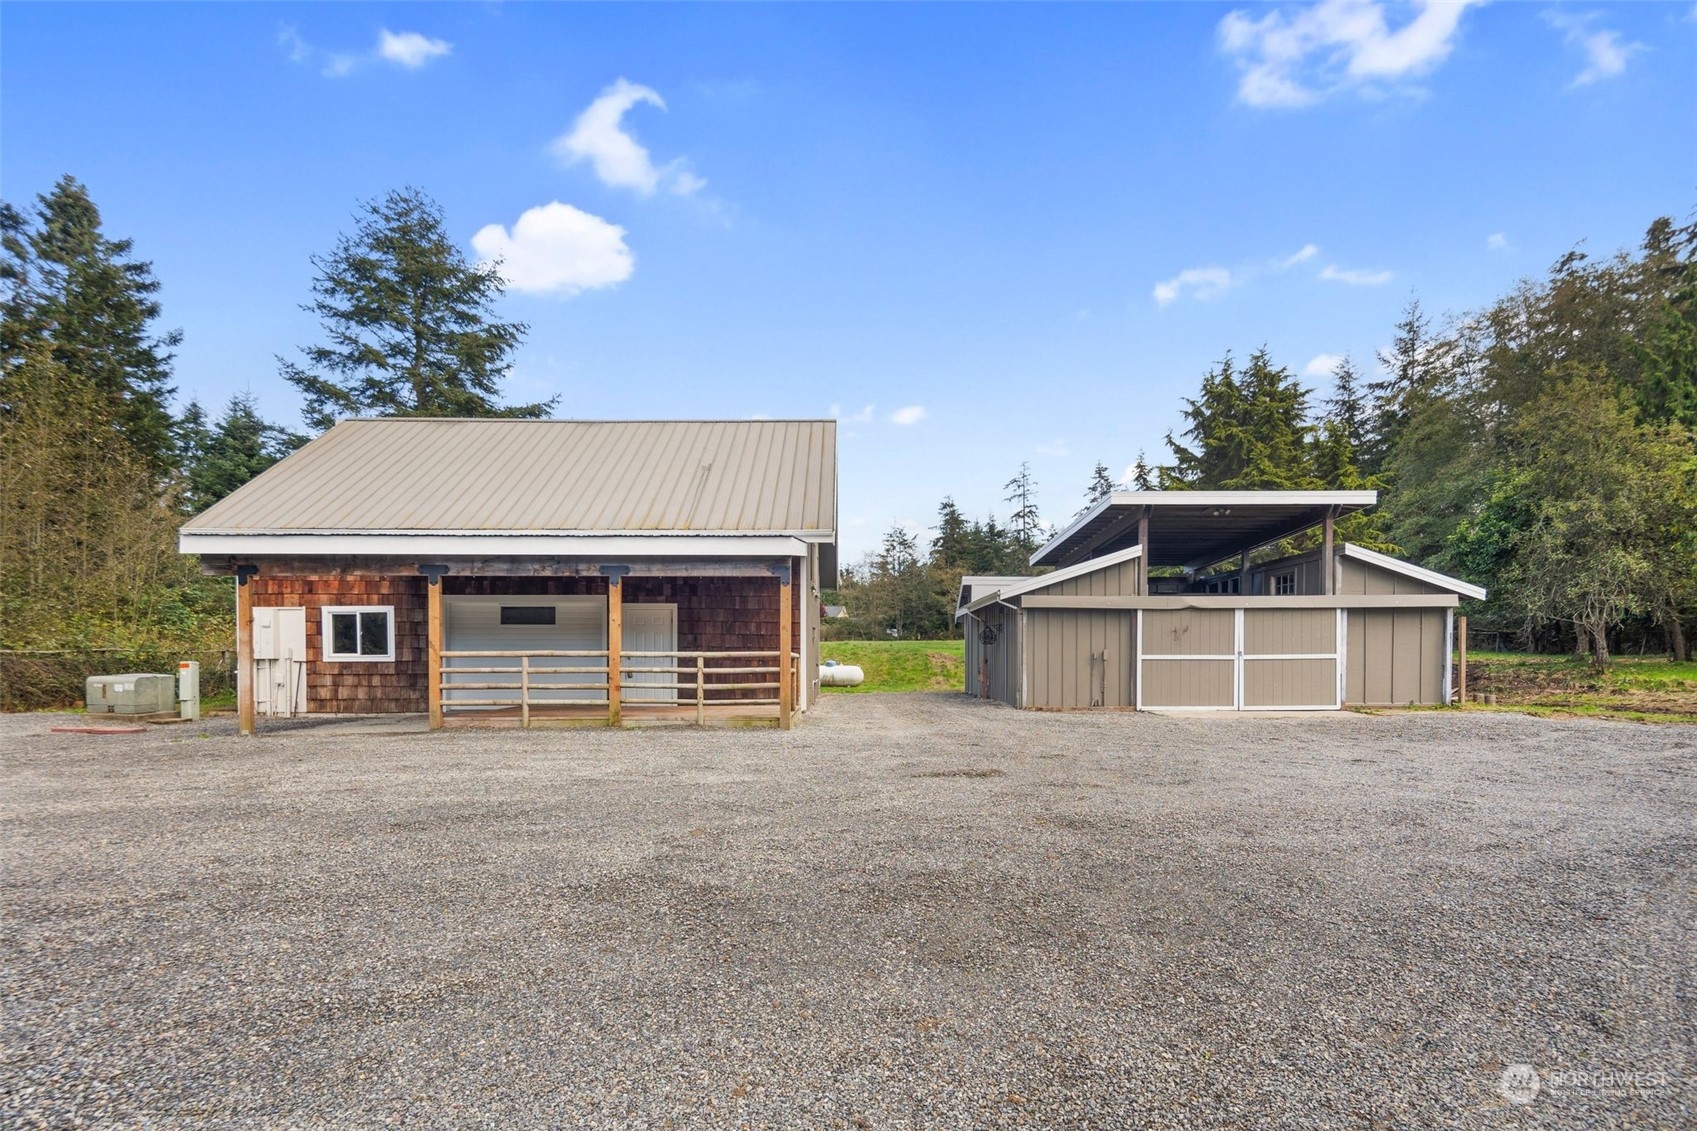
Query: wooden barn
1335,626
527,571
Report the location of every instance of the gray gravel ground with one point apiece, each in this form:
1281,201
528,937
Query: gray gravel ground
911,911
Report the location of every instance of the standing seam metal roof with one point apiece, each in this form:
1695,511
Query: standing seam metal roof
430,474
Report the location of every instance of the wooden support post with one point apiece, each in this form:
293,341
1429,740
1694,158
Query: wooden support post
524,692
1328,568
786,621
615,646
245,674
1143,557
1461,649
433,647
700,690
1243,575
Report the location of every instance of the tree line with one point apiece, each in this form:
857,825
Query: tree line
99,466
1544,447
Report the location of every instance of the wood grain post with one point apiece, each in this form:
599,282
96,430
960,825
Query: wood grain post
701,691
1243,575
786,621
245,673
1461,665
1328,568
524,692
433,647
615,646
1143,555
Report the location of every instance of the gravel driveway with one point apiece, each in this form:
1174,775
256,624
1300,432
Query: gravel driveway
910,911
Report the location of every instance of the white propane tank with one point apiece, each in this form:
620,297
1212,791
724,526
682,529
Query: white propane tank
833,674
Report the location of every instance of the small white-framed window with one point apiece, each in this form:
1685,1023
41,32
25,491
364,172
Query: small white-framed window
1284,584
359,633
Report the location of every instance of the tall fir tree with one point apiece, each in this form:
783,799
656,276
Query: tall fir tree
1408,367
951,548
1101,486
1348,407
95,304
410,326
1248,430
217,458
1142,476
1025,522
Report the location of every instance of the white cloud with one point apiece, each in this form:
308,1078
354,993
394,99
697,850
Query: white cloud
1293,57
1322,365
409,49
1497,241
598,136
289,38
1303,255
406,49
1199,282
911,414
557,249
1354,277
1605,53
861,417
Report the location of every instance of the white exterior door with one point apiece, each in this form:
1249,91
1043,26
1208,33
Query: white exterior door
524,624
650,628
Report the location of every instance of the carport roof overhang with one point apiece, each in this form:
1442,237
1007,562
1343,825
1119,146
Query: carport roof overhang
1196,528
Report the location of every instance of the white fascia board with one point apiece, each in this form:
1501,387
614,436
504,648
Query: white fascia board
803,535
483,544
1027,584
1418,573
981,581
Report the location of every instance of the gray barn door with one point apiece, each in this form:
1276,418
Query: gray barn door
1239,659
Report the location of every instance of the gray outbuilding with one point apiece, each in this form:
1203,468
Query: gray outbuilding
1338,625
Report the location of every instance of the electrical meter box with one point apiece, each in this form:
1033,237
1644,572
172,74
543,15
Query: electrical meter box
140,693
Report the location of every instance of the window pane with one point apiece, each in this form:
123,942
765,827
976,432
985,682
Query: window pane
373,634
527,614
344,634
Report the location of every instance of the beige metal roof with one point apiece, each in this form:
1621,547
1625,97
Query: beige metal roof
432,474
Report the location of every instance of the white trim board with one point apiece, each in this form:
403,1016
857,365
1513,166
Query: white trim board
1044,580
491,545
1418,573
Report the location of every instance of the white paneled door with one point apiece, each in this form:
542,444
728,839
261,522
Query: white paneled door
650,628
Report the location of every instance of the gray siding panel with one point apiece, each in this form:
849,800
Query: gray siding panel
1395,657
1080,658
1289,683
1188,683
1189,632
999,661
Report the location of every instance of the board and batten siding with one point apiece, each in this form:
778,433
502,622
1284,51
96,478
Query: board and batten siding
1003,656
1189,682
1083,657
1396,657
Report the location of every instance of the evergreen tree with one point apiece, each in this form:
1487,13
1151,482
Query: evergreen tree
1101,486
94,304
952,546
1025,522
1248,431
1408,366
219,458
1142,478
1348,407
409,324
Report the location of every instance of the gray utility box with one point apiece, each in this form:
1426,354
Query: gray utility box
138,694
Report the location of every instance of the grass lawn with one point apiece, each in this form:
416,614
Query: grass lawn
901,665
1639,688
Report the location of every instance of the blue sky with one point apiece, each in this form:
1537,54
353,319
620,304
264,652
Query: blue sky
977,234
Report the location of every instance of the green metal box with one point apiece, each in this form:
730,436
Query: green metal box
140,693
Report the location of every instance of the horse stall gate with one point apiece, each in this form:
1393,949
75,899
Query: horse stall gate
1241,659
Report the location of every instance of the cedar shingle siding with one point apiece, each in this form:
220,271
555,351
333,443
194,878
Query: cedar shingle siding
714,614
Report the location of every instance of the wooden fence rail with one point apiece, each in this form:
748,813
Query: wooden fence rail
690,672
